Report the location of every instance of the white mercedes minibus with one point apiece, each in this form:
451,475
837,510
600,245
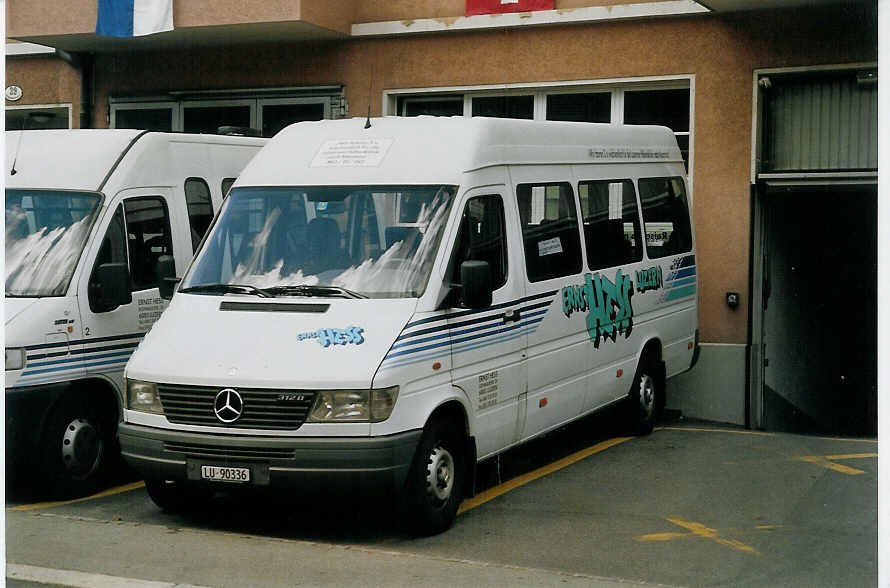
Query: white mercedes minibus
88,215
385,303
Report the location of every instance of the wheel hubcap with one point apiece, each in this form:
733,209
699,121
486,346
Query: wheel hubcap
647,395
440,474
81,448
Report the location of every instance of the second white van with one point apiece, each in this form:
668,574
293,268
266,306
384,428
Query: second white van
385,303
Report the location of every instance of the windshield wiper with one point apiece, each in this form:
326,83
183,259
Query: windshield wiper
307,290
227,289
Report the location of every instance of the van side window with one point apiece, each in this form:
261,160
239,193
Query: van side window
550,234
482,237
611,223
200,208
665,216
149,237
113,250
226,186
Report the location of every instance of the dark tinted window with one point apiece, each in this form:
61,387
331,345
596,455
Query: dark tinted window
611,223
665,216
550,234
438,106
505,106
669,108
149,237
149,119
200,208
580,107
482,237
278,116
226,186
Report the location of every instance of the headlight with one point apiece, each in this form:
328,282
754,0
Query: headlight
15,358
143,396
353,406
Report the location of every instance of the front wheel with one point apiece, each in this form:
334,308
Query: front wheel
435,482
646,397
77,448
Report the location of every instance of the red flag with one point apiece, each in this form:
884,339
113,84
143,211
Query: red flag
500,6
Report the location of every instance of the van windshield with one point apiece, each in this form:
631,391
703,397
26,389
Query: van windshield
45,235
368,241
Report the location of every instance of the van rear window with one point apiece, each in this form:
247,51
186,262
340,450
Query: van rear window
665,216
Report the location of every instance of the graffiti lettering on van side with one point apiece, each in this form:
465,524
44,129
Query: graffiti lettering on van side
328,337
649,279
607,302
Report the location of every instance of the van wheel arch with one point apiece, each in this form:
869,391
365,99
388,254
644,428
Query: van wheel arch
648,382
80,429
440,471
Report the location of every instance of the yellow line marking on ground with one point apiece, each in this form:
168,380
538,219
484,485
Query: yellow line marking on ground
698,530
524,479
767,527
828,464
756,433
704,430
851,456
109,492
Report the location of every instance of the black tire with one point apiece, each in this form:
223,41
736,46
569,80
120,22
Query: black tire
646,397
434,488
175,495
77,448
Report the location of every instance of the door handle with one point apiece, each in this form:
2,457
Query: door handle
511,316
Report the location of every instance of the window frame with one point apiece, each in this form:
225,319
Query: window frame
166,209
639,230
452,265
573,201
540,90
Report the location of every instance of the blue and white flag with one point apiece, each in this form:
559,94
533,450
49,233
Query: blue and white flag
134,18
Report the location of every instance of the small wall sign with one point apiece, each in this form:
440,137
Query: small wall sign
13,93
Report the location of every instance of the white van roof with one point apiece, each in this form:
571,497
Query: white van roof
82,159
46,158
438,150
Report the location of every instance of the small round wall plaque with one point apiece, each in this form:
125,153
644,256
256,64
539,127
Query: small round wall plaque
13,93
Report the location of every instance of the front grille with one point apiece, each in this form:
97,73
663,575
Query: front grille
229,453
263,408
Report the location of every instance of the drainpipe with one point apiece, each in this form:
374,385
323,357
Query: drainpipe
83,62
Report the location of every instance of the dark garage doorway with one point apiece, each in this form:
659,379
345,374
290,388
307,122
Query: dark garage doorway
820,310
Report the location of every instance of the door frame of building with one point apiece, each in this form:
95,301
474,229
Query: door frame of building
762,187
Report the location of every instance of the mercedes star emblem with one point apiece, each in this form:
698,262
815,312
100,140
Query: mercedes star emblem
228,406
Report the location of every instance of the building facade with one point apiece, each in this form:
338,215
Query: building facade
773,104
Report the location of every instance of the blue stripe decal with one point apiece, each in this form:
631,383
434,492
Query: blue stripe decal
687,261
85,341
474,321
470,338
680,293
497,318
79,359
39,378
464,313
681,282
689,271
75,366
466,347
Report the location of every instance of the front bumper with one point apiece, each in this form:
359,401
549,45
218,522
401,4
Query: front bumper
302,462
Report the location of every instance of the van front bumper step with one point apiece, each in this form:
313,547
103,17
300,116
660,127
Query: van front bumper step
304,462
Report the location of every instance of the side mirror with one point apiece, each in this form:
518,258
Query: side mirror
110,287
475,279
166,273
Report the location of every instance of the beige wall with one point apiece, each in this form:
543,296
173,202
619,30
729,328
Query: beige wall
722,53
26,18
44,80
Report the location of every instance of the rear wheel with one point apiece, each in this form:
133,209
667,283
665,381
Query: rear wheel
646,397
435,483
77,448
